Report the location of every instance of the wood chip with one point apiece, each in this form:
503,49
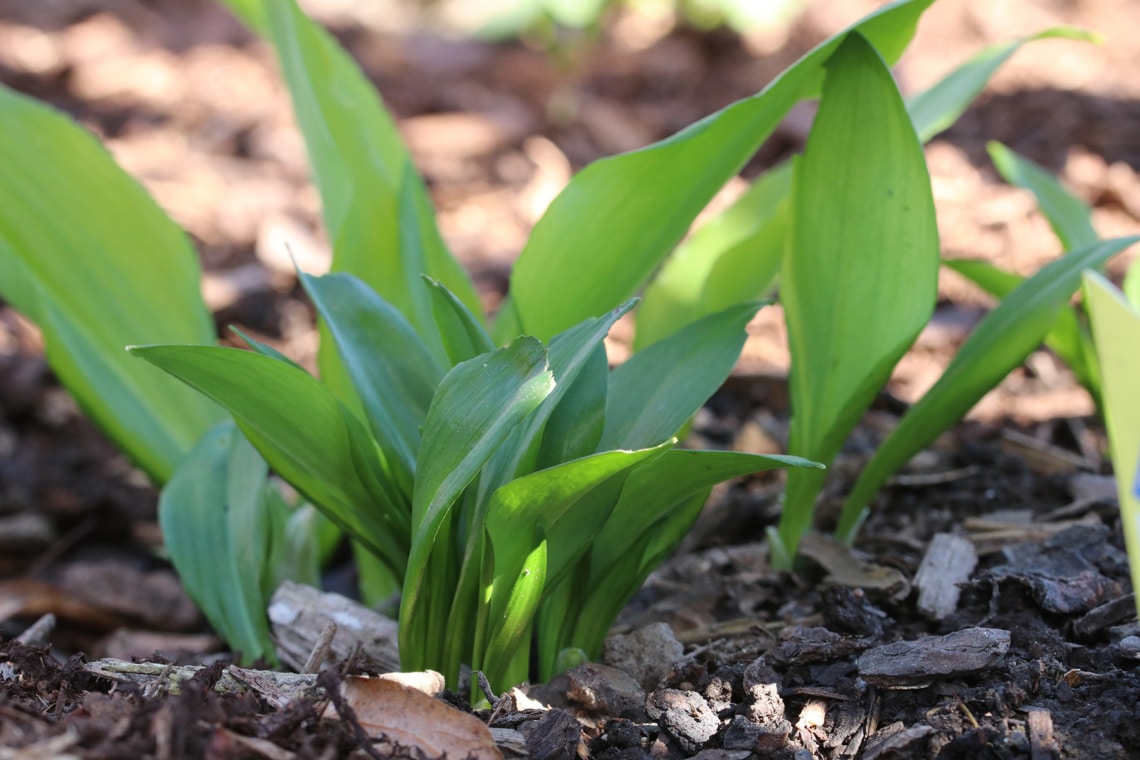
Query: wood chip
298,615
1042,743
910,664
948,561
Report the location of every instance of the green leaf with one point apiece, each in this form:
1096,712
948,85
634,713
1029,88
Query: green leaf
617,219
1116,329
1068,337
304,433
658,505
264,348
362,169
475,408
218,532
114,271
657,390
736,256
575,427
997,345
938,107
567,506
1068,215
1132,285
860,279
462,333
738,245
392,371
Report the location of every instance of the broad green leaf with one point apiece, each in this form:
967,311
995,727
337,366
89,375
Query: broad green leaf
218,533
1068,337
475,408
997,345
860,278
658,505
656,391
682,293
735,256
576,424
1068,215
304,433
1116,329
938,107
607,231
392,371
570,353
564,508
87,255
461,332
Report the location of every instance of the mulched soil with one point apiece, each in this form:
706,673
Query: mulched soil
857,654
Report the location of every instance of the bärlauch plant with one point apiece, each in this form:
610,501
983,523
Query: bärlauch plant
490,484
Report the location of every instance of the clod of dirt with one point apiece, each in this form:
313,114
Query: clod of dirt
607,691
647,654
684,716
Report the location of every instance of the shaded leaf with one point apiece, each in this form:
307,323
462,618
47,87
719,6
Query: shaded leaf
657,390
326,458
218,533
391,370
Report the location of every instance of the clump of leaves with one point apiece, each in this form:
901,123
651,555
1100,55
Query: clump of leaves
502,477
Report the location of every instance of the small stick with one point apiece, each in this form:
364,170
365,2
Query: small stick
38,631
320,648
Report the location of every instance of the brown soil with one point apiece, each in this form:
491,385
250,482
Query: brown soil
190,103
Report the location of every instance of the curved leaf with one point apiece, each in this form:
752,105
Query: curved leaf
997,345
657,390
304,433
116,271
1069,216
617,219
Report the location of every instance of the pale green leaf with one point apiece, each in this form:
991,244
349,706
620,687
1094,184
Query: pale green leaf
860,278
1116,330
1069,216
564,507
997,345
737,245
88,255
938,107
